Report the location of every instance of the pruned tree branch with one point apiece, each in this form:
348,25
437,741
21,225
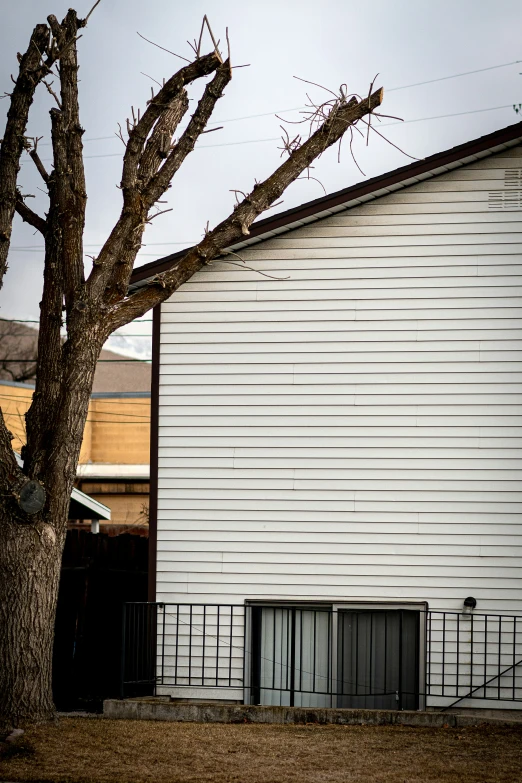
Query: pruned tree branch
46,46
213,92
83,22
143,156
69,177
153,180
172,89
28,216
235,227
64,283
159,144
30,73
33,154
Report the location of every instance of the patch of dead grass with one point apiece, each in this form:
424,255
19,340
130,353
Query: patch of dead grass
104,751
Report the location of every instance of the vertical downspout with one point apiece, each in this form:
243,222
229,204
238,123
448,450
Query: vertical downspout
154,427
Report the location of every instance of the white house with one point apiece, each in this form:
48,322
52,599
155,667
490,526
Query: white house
337,449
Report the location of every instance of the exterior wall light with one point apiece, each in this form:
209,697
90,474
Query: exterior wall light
469,604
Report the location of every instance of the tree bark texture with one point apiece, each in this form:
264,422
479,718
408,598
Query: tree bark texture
89,310
31,550
43,51
30,563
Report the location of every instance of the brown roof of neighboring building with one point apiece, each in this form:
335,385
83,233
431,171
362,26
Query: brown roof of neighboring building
114,372
359,193
117,373
18,348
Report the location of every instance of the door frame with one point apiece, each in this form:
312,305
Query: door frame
335,606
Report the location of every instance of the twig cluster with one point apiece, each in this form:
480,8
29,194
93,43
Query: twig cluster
318,115
196,44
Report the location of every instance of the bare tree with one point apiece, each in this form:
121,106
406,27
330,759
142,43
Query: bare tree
34,499
18,348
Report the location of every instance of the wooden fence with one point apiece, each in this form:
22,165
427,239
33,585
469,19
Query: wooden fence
99,573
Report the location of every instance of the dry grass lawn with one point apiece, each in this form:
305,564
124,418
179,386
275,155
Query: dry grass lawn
104,751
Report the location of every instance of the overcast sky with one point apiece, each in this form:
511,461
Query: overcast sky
330,42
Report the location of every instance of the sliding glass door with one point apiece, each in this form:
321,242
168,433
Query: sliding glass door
308,656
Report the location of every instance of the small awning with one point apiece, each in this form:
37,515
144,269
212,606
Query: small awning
82,506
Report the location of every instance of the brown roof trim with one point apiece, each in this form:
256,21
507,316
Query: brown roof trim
154,456
359,190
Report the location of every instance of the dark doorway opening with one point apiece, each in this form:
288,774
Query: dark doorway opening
378,659
99,573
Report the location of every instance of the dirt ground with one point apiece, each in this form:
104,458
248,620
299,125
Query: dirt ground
104,751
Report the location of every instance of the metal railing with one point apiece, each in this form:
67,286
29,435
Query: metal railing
322,655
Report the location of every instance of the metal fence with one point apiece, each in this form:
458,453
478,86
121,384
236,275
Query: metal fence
303,655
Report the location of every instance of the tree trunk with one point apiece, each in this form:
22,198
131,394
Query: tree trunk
30,557
31,546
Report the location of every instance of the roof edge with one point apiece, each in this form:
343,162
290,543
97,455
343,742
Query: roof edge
488,143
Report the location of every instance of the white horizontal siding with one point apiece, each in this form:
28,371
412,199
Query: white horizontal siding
352,429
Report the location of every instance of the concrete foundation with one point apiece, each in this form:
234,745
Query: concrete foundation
161,708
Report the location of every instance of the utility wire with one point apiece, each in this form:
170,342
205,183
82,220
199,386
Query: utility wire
148,244
97,400
92,421
255,141
188,243
29,248
23,335
107,361
277,138
29,321
300,108
453,76
142,419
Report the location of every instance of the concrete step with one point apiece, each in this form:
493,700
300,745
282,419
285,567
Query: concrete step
162,708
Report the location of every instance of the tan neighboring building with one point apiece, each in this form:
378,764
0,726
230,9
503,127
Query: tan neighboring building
114,460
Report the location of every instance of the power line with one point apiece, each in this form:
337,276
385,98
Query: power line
143,419
255,141
142,416
106,361
277,138
27,248
454,76
89,421
26,336
102,421
300,108
148,244
98,421
97,400
29,321
443,116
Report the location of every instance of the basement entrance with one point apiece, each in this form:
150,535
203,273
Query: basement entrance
311,656
378,659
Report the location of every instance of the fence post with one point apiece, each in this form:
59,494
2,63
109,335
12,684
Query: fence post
122,660
255,658
292,657
164,609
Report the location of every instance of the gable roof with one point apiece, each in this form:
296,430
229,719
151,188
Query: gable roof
356,194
